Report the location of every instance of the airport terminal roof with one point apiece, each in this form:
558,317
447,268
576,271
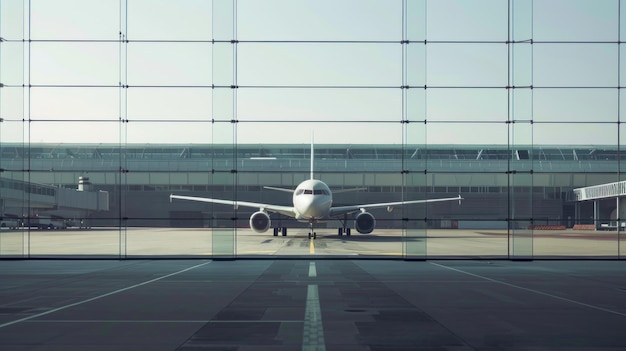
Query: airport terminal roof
302,151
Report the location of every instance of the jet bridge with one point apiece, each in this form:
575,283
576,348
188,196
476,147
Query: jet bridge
609,204
15,195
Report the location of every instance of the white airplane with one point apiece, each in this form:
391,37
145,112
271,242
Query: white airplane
312,203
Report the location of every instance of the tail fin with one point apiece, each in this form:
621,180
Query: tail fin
312,152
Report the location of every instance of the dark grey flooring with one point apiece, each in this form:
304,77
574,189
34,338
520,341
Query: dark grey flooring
312,305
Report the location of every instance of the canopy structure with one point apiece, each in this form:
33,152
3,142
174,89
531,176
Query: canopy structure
596,193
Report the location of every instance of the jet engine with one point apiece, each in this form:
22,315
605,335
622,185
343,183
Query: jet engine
364,222
260,222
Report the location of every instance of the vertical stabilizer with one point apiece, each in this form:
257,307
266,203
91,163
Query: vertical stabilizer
312,152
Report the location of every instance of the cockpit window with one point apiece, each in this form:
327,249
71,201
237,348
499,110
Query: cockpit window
312,192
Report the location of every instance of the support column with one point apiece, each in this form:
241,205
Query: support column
596,208
621,208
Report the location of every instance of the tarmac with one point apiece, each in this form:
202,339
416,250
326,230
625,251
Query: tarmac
312,304
144,242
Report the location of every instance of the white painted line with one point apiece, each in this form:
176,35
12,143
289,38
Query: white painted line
313,334
157,321
312,270
533,291
55,321
101,296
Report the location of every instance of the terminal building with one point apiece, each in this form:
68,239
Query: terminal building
130,184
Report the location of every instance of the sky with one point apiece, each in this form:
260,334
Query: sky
343,82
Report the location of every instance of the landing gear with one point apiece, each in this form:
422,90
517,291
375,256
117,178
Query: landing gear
312,233
282,230
343,230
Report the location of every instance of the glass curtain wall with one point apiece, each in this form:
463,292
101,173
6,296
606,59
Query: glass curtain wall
109,107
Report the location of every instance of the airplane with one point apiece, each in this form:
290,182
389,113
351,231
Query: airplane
312,203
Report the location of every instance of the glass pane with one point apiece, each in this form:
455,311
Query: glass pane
300,64
416,24
522,216
575,105
224,219
303,18
415,66
579,20
172,20
333,105
75,131
575,134
78,104
12,65
462,105
463,133
12,19
521,20
595,65
13,205
470,65
75,216
169,64
170,104
482,20
415,181
521,70
74,63
80,19
372,133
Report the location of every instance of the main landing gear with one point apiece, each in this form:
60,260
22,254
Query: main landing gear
343,230
282,230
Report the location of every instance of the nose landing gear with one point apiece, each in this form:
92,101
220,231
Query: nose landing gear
312,233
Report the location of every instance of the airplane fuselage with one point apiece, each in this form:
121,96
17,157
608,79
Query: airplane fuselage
312,200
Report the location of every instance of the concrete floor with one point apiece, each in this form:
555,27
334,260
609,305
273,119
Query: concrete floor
312,305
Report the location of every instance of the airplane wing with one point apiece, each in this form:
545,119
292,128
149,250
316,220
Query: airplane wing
285,210
341,210
279,189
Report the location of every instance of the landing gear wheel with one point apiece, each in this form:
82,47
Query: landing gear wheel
314,235
275,231
309,235
284,230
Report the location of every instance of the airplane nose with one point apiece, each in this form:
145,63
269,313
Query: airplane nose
310,210
315,208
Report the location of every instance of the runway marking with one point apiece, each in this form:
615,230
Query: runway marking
532,290
156,321
312,270
311,246
116,321
313,334
100,296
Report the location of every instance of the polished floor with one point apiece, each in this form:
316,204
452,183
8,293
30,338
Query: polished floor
312,305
